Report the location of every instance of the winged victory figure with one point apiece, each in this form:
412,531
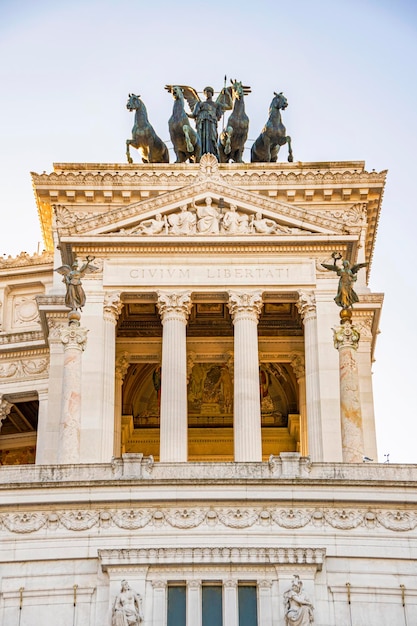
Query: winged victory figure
75,295
346,295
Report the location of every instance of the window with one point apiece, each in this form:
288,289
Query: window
212,605
248,613
177,605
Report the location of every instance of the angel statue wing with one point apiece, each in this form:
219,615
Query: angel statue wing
355,268
64,270
333,268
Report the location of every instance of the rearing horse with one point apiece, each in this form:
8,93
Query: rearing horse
152,149
232,138
265,148
185,140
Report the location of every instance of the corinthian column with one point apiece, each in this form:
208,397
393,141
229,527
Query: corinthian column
74,339
174,309
112,307
307,309
245,309
346,340
5,408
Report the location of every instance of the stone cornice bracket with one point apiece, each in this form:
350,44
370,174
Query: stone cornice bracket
74,336
209,168
122,365
245,305
112,306
5,408
346,336
306,304
298,365
174,306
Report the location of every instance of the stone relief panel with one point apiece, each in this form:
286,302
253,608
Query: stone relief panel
20,309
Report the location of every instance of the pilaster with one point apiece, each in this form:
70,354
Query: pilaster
298,366
231,614
122,365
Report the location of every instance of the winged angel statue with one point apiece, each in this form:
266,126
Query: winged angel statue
206,113
75,295
346,296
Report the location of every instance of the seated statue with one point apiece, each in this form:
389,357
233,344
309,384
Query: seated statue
235,223
127,607
182,223
298,608
208,219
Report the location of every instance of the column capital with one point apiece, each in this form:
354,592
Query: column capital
112,306
159,584
5,408
122,365
74,336
346,336
194,584
174,305
306,304
245,305
230,583
298,365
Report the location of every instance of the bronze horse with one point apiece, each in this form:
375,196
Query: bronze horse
233,137
185,140
266,146
152,149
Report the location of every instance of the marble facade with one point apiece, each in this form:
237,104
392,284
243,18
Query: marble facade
199,427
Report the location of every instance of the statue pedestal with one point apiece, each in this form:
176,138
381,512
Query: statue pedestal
346,340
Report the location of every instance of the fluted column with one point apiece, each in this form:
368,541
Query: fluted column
231,615
174,309
298,366
122,365
245,309
74,339
307,309
194,601
112,307
346,339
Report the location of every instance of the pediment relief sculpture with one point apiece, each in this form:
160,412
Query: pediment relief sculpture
210,217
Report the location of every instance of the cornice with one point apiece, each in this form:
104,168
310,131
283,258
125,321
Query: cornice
26,260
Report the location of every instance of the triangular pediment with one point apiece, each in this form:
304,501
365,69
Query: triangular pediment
206,207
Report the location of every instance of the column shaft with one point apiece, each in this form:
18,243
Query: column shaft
112,307
346,339
245,310
174,310
307,308
74,339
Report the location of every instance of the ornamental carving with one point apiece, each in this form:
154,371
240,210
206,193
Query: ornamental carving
24,368
25,311
174,305
306,304
74,337
130,519
298,365
346,336
67,218
24,259
122,365
245,305
210,219
112,306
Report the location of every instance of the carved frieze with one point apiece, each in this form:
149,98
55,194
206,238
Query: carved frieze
24,368
187,518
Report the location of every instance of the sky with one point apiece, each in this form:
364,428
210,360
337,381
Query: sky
347,68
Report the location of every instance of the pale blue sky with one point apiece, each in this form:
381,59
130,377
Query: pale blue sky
347,67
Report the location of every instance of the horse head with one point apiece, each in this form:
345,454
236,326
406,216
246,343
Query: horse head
279,101
134,102
177,93
237,89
